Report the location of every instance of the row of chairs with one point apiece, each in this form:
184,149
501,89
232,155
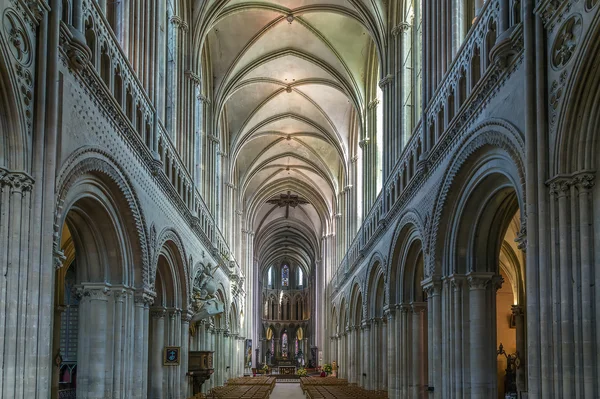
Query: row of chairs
241,392
342,392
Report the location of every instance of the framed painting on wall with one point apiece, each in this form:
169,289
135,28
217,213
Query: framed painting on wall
171,356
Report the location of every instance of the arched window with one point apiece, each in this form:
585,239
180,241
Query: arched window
379,140
284,345
300,277
285,276
170,69
270,277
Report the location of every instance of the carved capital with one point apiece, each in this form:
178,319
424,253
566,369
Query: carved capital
480,281
432,286
585,181
99,292
179,23
517,310
386,81
195,78
363,143
559,186
18,182
158,313
144,298
418,307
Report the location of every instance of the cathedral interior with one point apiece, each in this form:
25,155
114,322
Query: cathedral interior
197,192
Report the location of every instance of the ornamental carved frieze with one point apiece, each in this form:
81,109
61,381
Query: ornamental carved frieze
566,41
17,35
556,93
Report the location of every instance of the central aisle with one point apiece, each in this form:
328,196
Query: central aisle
284,390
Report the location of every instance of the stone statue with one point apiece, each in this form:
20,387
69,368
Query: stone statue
334,369
204,302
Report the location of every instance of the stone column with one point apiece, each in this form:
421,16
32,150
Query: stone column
119,298
228,364
156,378
186,317
433,288
367,351
517,312
392,338
93,310
142,301
481,381
16,271
384,352
419,353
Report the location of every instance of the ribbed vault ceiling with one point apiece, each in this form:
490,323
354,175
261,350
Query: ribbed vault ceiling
288,82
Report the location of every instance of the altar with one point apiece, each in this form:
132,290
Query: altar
287,370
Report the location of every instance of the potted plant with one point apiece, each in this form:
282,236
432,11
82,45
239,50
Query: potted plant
327,368
265,369
301,372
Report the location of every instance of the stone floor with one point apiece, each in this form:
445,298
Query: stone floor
287,391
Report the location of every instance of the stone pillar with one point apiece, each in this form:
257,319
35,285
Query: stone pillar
392,338
118,349
16,273
93,311
433,287
367,351
142,302
186,317
226,356
156,378
482,379
419,352
517,312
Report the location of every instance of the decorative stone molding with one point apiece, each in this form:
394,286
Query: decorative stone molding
401,28
179,23
158,313
373,104
75,46
364,142
144,297
89,161
97,292
566,41
521,238
419,307
556,92
480,281
17,182
195,78
517,310
386,81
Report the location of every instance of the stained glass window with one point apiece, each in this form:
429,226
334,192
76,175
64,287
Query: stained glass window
272,347
296,347
284,345
285,276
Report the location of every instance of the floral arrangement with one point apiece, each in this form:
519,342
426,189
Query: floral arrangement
265,368
301,372
327,368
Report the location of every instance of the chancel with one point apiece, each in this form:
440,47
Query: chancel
299,198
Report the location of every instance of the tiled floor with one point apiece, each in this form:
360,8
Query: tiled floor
287,391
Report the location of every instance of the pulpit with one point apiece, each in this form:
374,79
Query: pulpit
200,367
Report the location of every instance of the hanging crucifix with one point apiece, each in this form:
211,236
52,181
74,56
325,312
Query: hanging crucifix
288,200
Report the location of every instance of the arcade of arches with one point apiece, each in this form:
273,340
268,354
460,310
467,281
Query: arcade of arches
404,187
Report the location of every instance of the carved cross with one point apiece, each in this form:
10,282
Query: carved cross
288,200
